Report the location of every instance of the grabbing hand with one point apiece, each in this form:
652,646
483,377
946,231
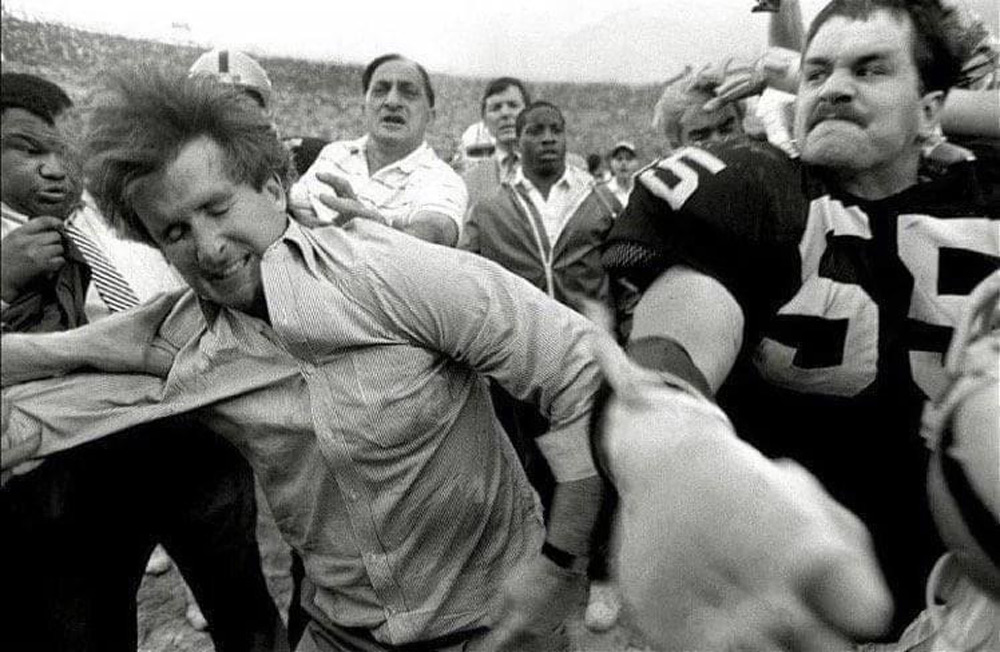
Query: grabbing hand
30,251
130,342
538,598
777,68
342,202
718,547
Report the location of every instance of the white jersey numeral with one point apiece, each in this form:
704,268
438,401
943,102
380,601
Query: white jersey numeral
678,164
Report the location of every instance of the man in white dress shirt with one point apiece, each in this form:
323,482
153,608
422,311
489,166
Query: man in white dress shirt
390,175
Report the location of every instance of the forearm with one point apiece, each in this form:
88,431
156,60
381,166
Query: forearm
134,341
44,355
711,336
573,514
971,113
785,29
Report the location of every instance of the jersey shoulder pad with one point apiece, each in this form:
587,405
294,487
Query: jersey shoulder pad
727,186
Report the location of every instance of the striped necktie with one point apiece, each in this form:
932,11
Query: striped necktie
112,287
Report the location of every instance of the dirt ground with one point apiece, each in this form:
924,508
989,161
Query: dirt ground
162,627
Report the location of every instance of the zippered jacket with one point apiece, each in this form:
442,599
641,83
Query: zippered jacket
507,229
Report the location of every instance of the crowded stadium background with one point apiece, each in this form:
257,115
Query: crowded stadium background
320,99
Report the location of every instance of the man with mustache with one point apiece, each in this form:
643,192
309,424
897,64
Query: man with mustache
814,299
389,175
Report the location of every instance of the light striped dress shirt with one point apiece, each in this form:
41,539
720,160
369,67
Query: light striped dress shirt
363,412
418,182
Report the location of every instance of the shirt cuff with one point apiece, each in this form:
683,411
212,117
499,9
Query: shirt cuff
567,450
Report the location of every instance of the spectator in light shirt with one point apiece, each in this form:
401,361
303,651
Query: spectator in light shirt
390,175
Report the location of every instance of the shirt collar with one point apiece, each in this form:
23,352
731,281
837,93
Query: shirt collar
406,165
20,218
294,233
566,181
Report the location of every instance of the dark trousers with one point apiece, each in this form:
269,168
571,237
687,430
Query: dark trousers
79,529
320,634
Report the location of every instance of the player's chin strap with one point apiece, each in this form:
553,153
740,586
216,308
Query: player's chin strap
676,369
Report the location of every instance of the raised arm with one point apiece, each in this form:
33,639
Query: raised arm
669,334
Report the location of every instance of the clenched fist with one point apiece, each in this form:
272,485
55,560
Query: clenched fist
30,252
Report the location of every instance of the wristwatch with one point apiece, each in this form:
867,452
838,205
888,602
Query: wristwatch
565,560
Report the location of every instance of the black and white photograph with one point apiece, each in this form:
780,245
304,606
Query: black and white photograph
441,326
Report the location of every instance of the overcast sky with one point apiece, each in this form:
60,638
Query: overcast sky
573,40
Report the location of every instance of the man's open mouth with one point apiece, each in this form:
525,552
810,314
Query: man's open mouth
394,120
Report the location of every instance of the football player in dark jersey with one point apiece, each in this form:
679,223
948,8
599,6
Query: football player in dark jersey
814,298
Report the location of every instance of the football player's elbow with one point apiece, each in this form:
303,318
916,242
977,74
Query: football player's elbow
434,227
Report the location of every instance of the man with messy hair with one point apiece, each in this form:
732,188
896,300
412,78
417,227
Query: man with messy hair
680,116
81,525
347,360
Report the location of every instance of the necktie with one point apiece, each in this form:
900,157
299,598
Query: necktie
112,287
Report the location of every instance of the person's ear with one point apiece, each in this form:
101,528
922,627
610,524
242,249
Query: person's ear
931,105
276,192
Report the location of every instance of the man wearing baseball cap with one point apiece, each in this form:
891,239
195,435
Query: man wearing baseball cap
623,163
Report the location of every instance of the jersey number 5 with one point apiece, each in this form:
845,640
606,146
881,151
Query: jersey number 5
681,180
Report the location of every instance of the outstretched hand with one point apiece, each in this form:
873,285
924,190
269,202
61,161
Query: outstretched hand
341,199
142,340
719,548
777,68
